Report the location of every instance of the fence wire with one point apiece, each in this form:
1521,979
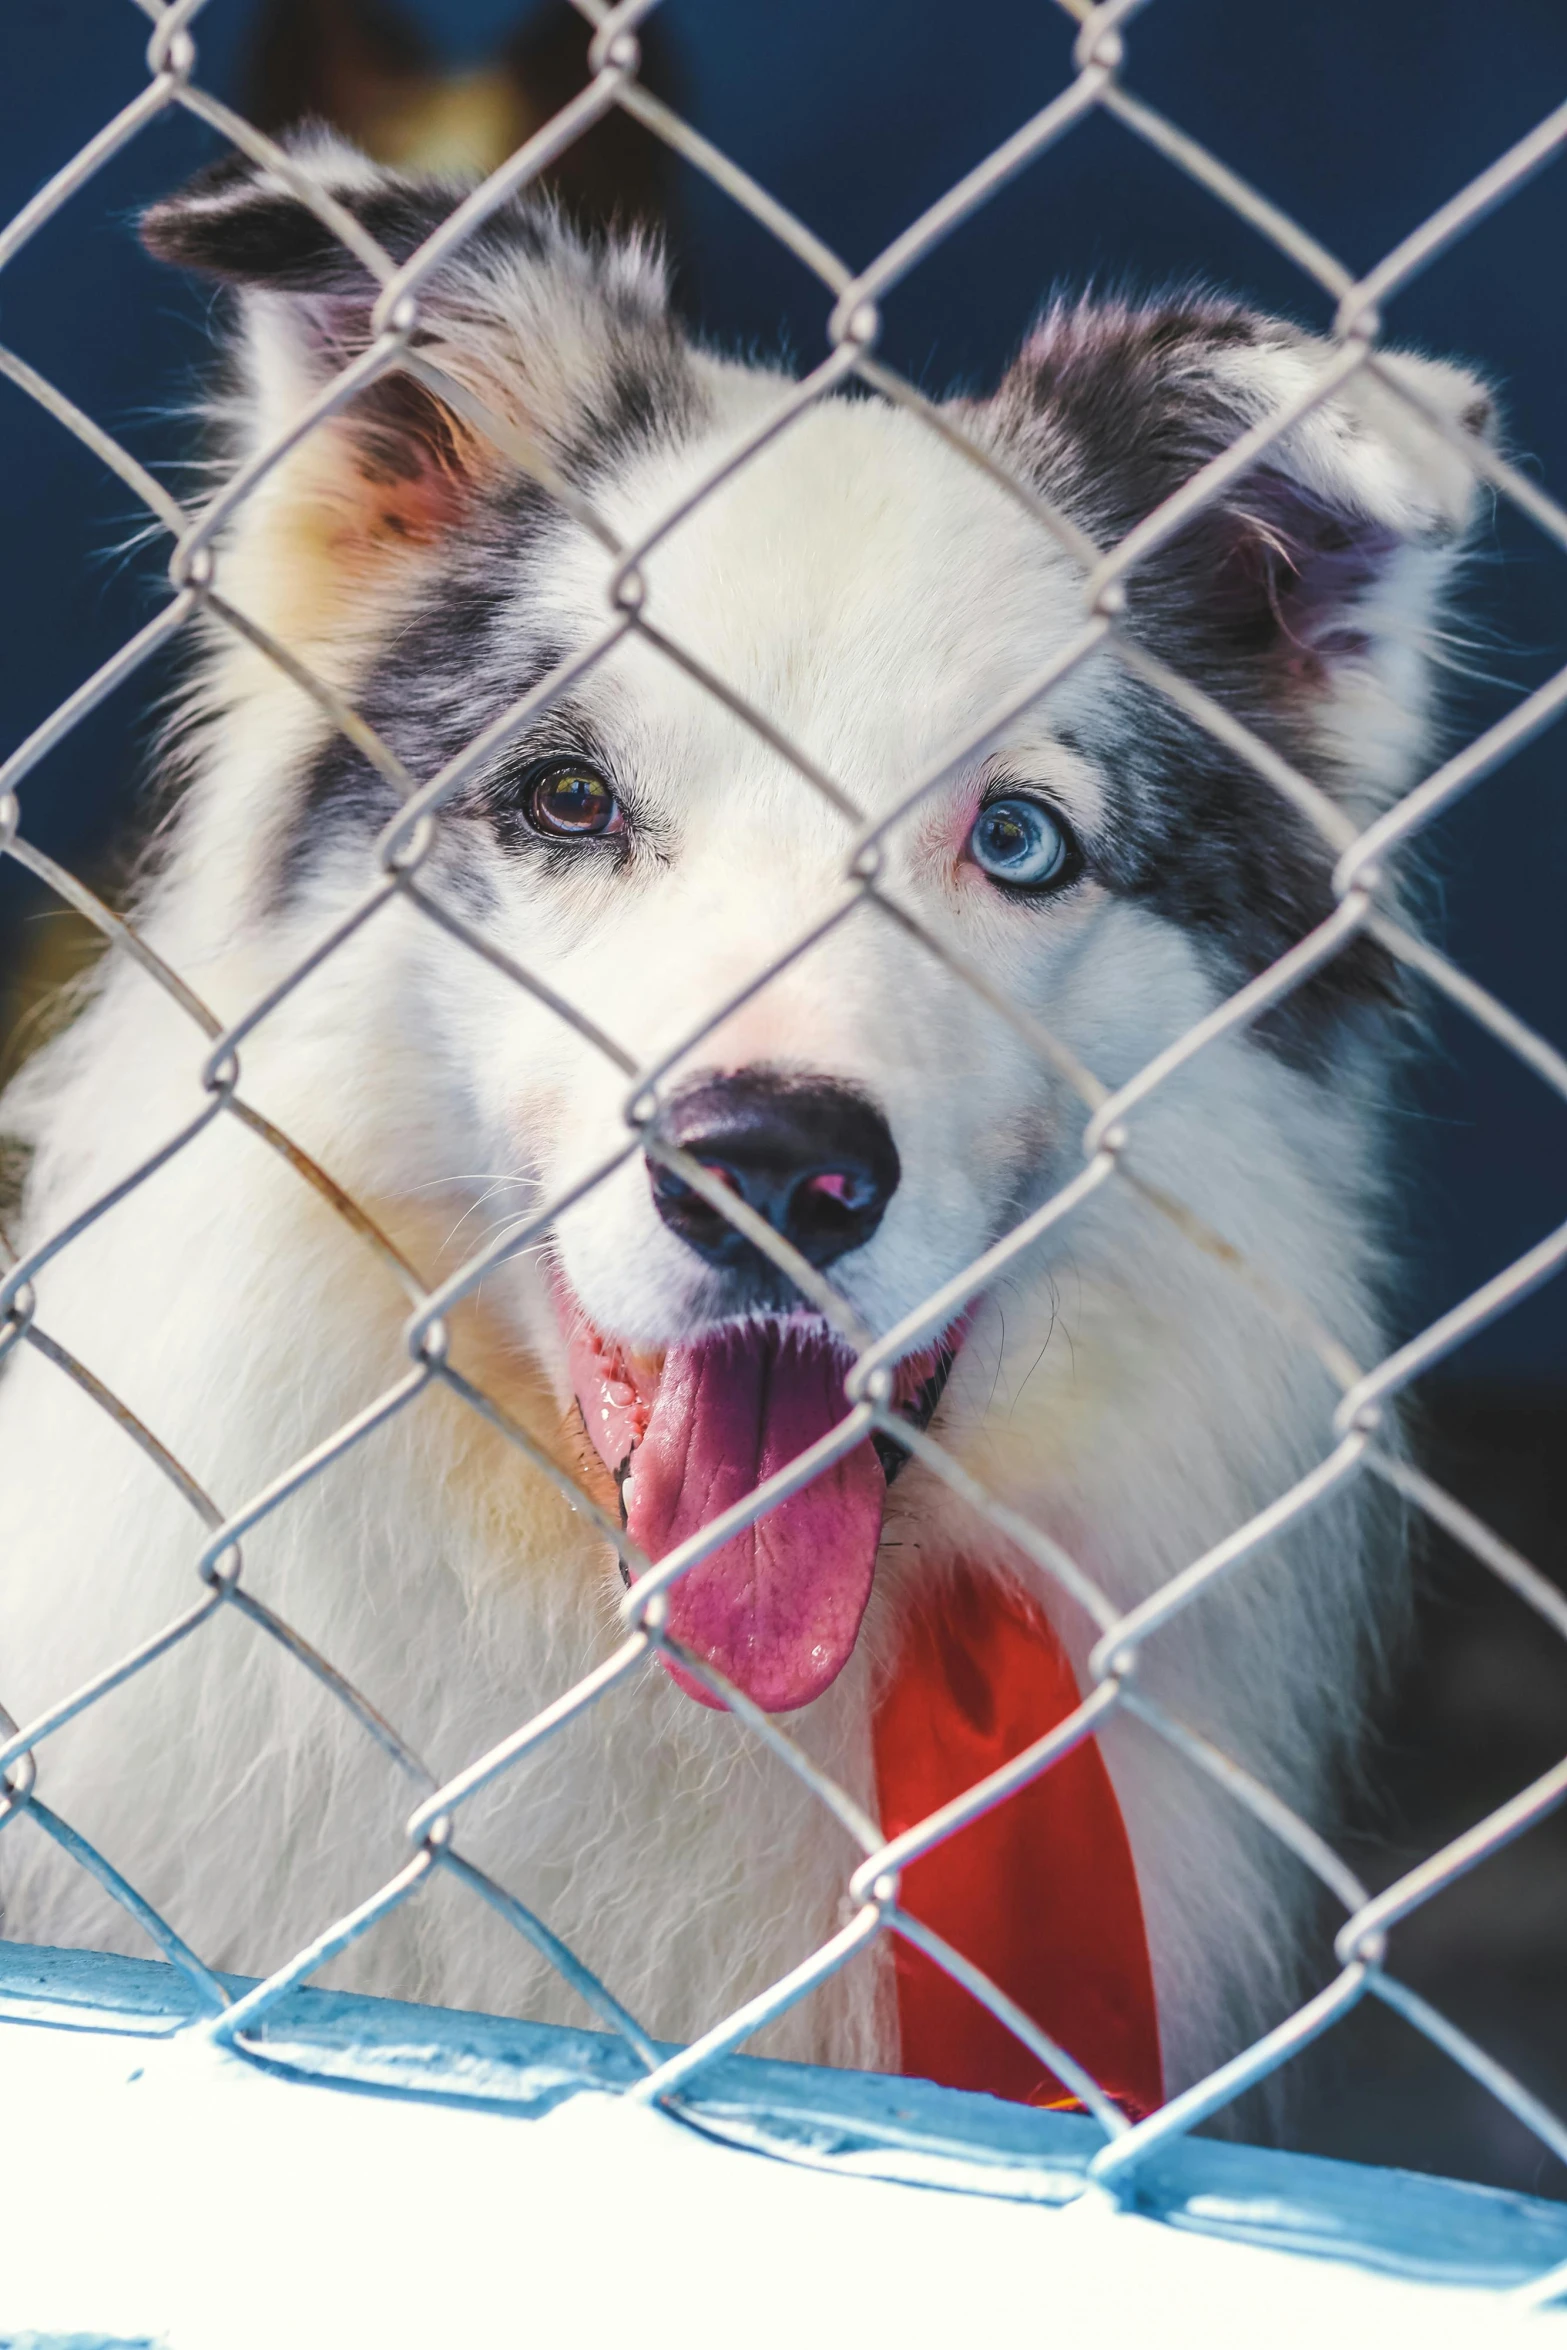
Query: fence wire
1365,907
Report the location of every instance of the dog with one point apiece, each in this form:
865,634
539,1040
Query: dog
1113,871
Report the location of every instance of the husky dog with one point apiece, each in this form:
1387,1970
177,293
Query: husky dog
1112,869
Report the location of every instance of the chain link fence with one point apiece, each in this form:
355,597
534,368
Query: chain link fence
1354,1448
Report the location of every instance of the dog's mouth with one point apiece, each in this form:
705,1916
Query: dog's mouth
689,1432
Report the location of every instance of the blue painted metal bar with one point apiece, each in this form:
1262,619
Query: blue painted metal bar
1386,2222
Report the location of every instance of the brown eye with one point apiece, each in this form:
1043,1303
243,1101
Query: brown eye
569,801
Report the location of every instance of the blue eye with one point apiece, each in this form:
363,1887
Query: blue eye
1021,844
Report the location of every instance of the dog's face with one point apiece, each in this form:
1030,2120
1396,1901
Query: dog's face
648,855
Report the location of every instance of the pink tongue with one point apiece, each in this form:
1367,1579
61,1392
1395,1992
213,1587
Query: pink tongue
778,1608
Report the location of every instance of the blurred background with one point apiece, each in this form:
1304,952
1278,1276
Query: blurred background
1359,117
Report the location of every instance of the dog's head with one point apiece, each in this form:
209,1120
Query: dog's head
656,863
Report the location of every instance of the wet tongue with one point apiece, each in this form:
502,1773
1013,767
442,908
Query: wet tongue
777,1609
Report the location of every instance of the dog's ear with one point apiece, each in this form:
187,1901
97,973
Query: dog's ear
566,338
1311,593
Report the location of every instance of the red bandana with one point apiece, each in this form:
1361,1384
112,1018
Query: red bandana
1041,1893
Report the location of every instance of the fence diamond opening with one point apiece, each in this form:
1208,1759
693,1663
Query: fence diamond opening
1352,1448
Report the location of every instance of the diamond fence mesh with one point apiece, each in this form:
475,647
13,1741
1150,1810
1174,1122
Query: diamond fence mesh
1353,1448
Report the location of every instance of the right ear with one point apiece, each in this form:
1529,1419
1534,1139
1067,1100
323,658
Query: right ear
566,338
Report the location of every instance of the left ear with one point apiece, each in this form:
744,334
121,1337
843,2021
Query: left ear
566,338
1311,594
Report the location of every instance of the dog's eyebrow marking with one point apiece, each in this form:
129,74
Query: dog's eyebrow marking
450,669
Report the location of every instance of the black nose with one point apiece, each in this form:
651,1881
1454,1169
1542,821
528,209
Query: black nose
816,1159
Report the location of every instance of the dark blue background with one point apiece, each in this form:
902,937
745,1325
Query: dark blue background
1358,116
